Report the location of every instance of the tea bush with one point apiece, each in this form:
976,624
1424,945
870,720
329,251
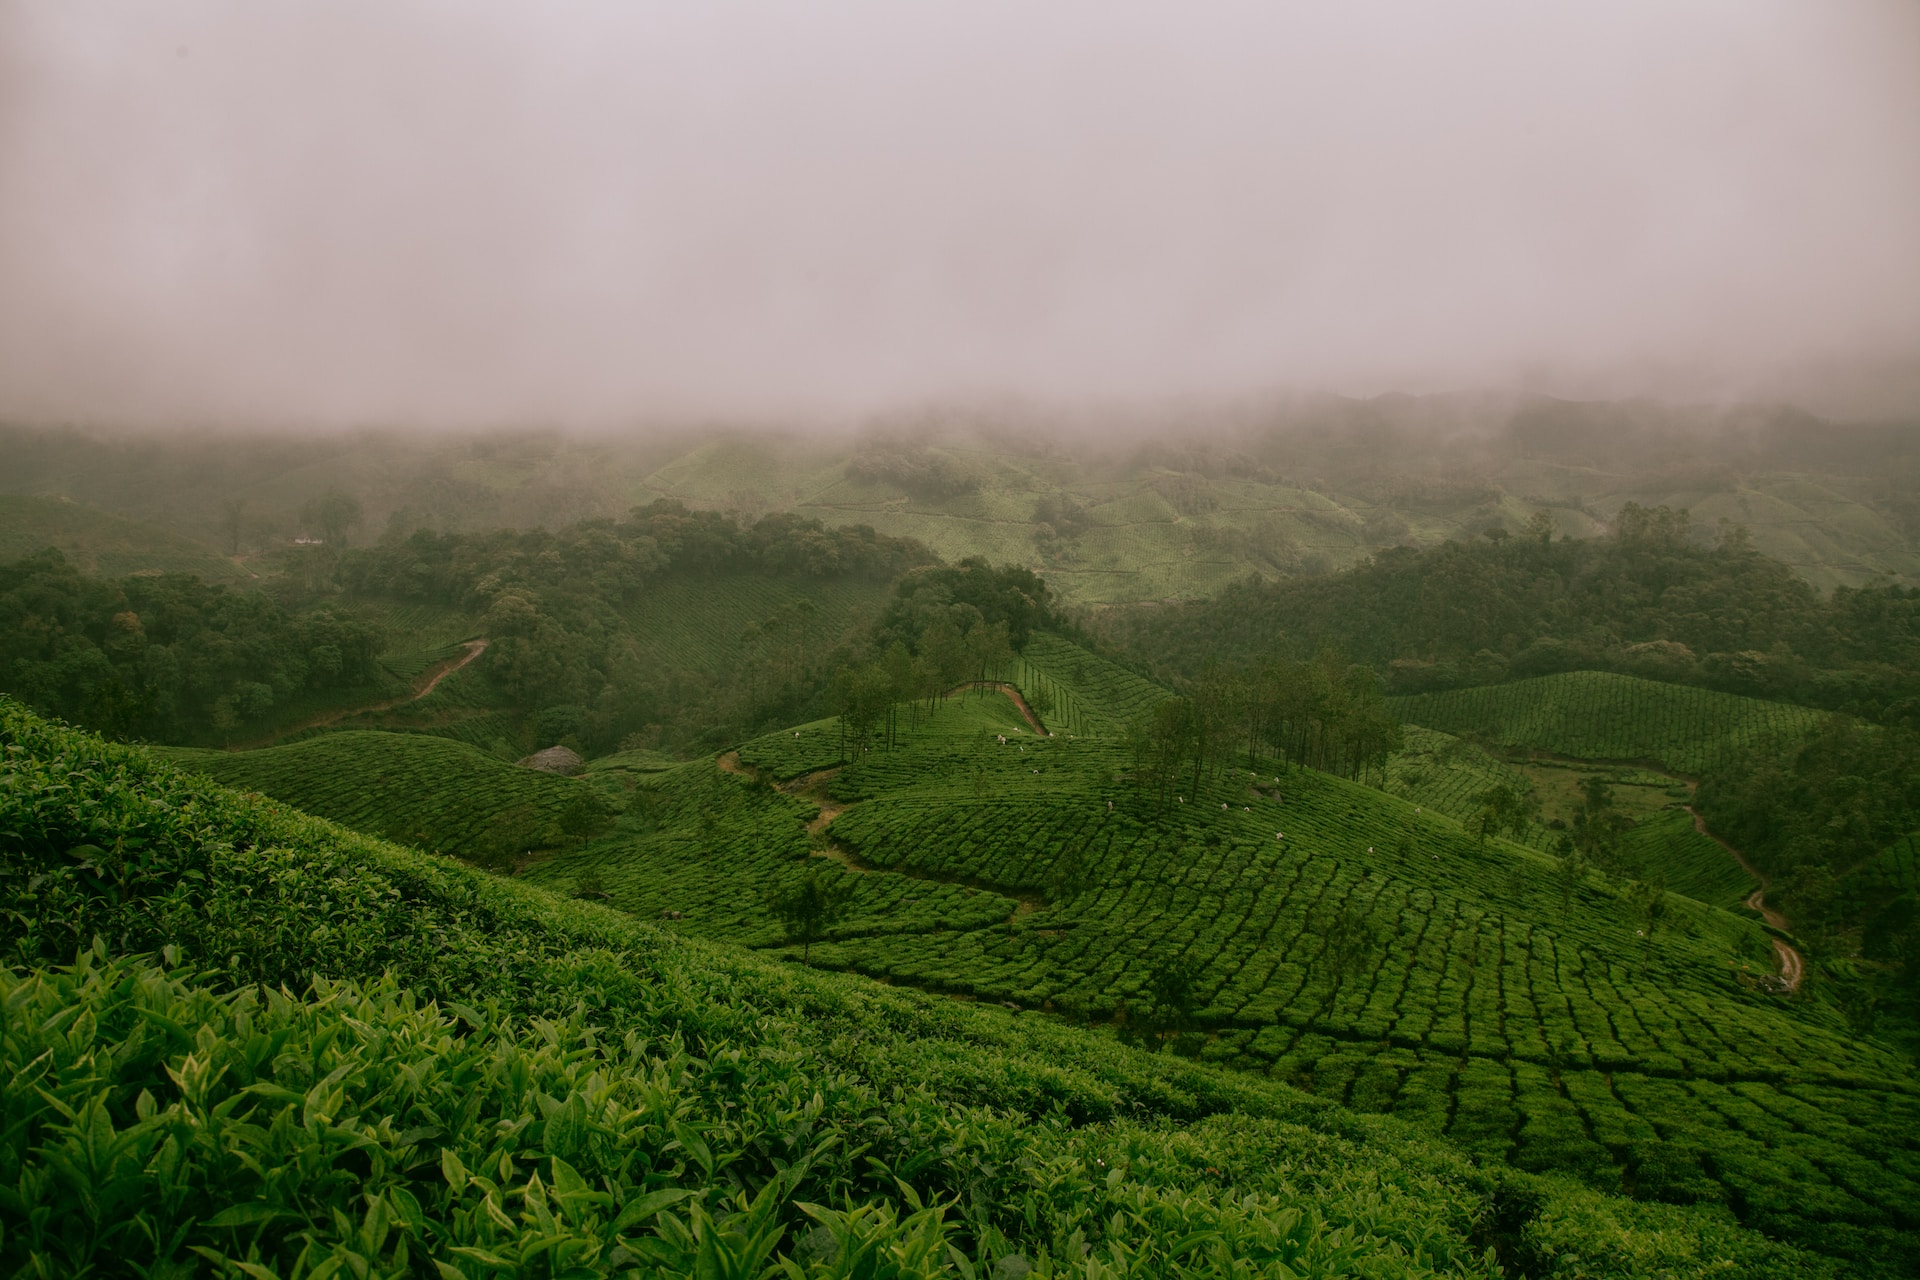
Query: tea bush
344,1057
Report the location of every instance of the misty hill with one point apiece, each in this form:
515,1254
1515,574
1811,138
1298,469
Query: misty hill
1282,489
96,541
1648,601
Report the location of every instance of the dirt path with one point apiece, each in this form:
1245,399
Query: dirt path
474,649
438,673
1793,966
1013,694
813,786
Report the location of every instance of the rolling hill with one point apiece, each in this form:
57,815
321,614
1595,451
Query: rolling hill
103,543
1271,490
306,1050
1295,927
421,790
1601,715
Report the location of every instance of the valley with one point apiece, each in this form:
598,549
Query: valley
1496,916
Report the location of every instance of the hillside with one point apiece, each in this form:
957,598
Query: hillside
1528,1026
1378,955
1599,715
423,791
490,1079
1315,487
1111,514
689,659
1451,775
101,542
1648,601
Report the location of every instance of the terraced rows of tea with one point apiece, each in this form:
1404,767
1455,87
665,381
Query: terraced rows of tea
706,848
426,791
1667,846
1528,1020
1438,771
1599,715
1446,774
1329,935
1090,694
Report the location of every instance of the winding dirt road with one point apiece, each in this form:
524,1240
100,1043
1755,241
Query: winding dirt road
440,672
1793,966
1013,694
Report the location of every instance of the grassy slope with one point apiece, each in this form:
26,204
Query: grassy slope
690,637
1600,715
1333,493
580,1073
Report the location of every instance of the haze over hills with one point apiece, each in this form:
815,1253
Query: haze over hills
1109,511
960,641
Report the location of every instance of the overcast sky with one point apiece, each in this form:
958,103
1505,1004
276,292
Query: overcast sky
603,214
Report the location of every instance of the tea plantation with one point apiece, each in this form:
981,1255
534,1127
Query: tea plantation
1541,1023
1288,928
429,792
239,1041
1600,715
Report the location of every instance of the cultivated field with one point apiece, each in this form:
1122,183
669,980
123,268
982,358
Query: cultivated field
1530,1020
1598,715
1290,925
425,791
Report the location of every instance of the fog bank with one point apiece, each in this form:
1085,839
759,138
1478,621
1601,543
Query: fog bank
604,215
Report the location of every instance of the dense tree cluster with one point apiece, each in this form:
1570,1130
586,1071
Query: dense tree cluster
1326,714
612,561
946,625
1828,822
1650,600
167,657
551,604
963,594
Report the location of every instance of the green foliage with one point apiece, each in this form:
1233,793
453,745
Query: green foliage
1830,822
1092,694
808,909
1393,961
98,542
1597,715
672,625
1647,603
424,791
332,516
1818,815
491,1080
1449,775
154,1119
912,467
1666,847
966,594
494,1081
170,656
1505,810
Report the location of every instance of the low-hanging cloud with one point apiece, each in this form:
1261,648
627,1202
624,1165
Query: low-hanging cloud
605,214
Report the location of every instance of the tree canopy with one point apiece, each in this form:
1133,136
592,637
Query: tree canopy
1652,600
